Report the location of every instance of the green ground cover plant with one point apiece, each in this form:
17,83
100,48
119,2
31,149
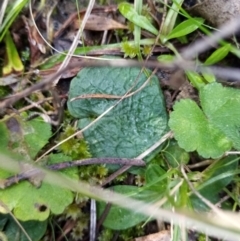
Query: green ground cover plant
190,149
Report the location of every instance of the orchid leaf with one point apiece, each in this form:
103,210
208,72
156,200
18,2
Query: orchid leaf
133,125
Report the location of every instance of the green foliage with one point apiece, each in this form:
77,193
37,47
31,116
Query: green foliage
165,58
12,230
131,233
77,232
11,14
93,173
58,58
106,234
75,148
195,79
78,149
217,176
130,50
119,218
14,62
156,179
171,17
155,188
124,235
199,81
146,50
32,203
146,12
133,125
212,130
218,55
4,136
181,30
175,155
25,140
128,11
37,139
184,28
193,131
209,77
74,212
3,90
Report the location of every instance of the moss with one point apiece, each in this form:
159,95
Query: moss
74,147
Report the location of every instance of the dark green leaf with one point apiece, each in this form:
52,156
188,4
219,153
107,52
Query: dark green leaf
218,175
119,218
156,179
175,155
34,229
214,179
134,125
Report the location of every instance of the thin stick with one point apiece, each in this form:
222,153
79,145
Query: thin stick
200,164
63,165
93,220
74,45
228,73
42,85
200,46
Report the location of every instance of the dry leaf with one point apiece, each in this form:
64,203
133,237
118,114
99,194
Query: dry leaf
37,45
99,23
72,69
160,236
74,17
